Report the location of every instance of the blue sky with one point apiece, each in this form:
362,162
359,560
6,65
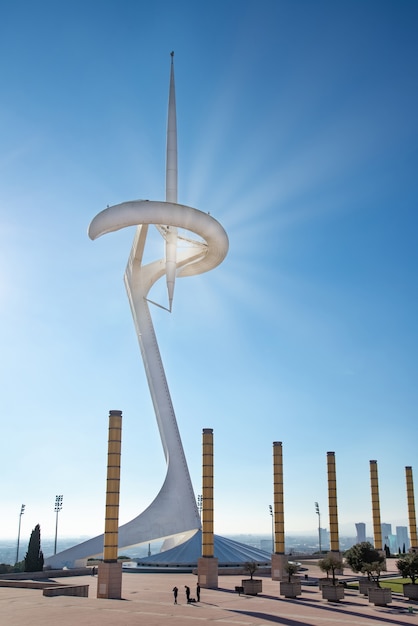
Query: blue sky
298,127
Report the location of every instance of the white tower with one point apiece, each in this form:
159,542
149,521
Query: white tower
174,511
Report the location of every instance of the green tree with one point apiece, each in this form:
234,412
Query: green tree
408,566
34,559
330,564
362,555
373,570
251,567
291,568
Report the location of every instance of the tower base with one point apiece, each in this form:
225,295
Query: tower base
207,572
109,581
278,564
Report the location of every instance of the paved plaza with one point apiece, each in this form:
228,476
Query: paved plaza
148,600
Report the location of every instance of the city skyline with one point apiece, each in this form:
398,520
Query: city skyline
298,132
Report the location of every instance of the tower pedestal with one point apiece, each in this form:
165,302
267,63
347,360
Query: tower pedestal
278,564
109,581
207,572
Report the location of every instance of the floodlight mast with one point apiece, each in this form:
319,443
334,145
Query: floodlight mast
318,512
57,509
272,527
22,510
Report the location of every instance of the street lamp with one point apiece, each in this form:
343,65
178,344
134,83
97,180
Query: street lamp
318,512
272,527
58,507
22,510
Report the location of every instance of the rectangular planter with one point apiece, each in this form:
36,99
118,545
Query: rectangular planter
410,591
290,590
252,587
364,584
333,593
380,596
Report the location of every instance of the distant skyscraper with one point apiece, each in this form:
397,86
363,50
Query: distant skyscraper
402,538
386,529
325,539
386,533
361,532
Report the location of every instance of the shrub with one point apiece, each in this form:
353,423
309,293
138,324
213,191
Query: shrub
408,566
361,555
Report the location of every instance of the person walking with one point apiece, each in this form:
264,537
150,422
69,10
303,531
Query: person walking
175,593
187,593
198,592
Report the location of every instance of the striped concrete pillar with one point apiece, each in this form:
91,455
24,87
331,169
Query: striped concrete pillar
411,508
377,526
110,551
207,493
109,582
278,498
207,566
332,503
278,558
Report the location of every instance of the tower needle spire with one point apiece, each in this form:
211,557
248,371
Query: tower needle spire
171,163
171,186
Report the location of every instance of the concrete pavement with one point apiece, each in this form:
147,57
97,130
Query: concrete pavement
148,600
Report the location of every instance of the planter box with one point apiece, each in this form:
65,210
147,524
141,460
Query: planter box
410,591
290,590
333,593
252,587
364,584
380,596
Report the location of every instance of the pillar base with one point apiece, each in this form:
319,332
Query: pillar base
109,580
207,572
278,564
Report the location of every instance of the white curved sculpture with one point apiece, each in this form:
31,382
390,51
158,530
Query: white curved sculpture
174,510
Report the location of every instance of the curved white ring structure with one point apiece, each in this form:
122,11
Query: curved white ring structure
145,212
174,510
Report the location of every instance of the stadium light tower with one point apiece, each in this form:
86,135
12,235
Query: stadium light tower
22,510
318,512
57,509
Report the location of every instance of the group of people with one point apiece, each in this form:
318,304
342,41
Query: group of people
187,590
